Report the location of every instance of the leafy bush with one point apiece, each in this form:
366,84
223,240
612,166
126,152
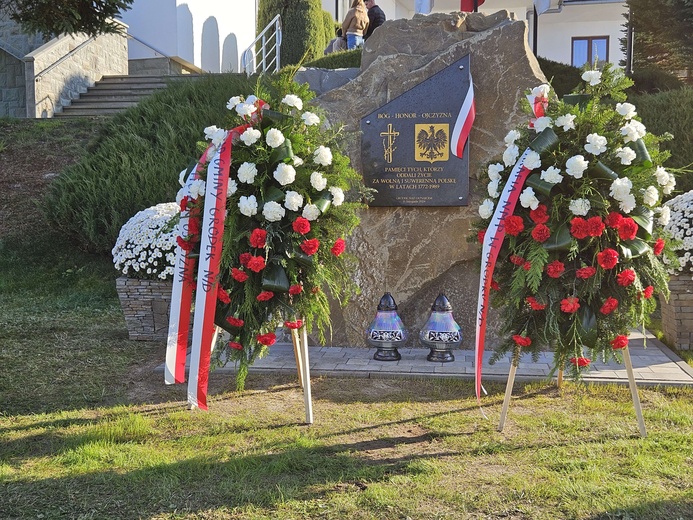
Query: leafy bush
338,60
671,111
652,80
563,78
135,161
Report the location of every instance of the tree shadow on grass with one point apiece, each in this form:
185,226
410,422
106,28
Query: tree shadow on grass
658,510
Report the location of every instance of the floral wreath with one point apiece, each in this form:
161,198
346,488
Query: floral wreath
583,250
288,214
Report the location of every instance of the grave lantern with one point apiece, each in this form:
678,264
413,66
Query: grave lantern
386,332
441,333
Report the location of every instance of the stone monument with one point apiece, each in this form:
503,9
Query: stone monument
417,252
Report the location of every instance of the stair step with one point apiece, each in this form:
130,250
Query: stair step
84,112
84,103
116,95
128,86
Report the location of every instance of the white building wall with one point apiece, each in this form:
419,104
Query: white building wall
207,33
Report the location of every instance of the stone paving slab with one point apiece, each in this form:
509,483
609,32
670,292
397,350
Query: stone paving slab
653,364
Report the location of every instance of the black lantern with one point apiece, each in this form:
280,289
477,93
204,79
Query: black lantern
441,333
386,332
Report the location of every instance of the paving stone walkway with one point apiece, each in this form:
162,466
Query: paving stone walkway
653,364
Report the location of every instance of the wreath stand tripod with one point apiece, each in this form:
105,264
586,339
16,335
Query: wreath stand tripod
300,342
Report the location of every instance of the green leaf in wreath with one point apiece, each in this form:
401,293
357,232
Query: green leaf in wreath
580,100
324,202
272,118
273,193
634,248
644,218
543,187
559,240
282,153
642,156
602,171
587,326
274,278
544,141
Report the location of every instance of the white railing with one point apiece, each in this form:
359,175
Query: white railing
264,53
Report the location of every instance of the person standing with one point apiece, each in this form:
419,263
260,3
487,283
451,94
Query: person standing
376,17
355,24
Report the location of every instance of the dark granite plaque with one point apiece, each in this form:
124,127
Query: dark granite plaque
406,148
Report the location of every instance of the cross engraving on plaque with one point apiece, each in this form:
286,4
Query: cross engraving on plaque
389,143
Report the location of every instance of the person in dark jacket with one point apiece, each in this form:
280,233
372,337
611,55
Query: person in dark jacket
376,17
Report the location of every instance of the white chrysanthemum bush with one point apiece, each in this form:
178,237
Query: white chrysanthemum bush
583,253
679,214
147,242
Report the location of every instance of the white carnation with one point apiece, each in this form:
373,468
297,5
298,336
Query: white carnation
626,155
662,176
247,172
627,203
542,123
510,155
293,200
632,131
310,119
528,199
669,186
310,212
665,215
245,109
231,188
322,155
596,144
251,136
232,102
248,205
252,98
318,182
567,121
620,188
198,188
651,196
273,211
494,171
285,174
627,110
511,137
293,101
486,209
579,207
274,138
337,195
551,175
576,166
593,77
541,91
492,189
297,160
532,161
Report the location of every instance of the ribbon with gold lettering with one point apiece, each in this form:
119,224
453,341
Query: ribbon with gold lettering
464,122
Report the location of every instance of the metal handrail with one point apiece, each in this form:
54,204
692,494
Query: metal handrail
249,56
38,76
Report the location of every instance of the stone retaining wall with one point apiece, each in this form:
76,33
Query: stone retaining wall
146,306
677,313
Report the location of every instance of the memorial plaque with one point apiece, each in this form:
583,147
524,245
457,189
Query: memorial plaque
414,149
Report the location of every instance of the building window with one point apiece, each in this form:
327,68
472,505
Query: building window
586,49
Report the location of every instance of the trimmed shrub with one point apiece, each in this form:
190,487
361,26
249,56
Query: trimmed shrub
652,80
672,112
338,60
563,78
303,30
135,162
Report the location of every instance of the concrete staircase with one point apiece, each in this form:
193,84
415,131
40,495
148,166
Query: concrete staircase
113,94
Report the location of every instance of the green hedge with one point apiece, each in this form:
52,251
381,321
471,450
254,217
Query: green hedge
137,158
338,60
563,78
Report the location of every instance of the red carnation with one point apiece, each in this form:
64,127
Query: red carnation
526,266
338,247
222,295
235,346
579,228
627,229
614,219
238,275
264,296
480,235
267,339
607,259
235,322
522,341
293,324
541,233
256,263
244,258
555,269
296,289
648,291
570,304
185,245
586,272
619,342
539,215
310,247
658,246
595,226
495,286
194,226
625,277
301,225
514,225
184,202
534,304
580,361
258,237
517,260
609,306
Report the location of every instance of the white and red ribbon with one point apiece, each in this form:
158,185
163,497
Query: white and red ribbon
464,122
493,240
